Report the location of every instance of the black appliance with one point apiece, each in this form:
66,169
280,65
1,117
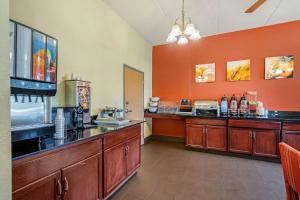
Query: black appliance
73,117
33,61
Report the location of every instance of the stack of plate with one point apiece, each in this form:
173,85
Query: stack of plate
153,104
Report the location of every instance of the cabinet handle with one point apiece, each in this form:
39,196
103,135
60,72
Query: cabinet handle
59,188
128,150
66,185
253,135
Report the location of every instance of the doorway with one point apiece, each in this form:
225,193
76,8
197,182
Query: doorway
134,95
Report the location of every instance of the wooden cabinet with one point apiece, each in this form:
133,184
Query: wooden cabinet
291,134
216,138
48,187
240,140
80,172
249,137
120,160
292,138
81,180
133,154
114,168
195,135
265,142
207,134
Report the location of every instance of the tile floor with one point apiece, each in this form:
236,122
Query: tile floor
169,172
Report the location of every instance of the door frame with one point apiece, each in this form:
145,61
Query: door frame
139,71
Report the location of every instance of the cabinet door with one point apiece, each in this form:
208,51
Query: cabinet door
47,188
81,180
133,154
240,140
216,138
265,142
114,168
195,135
292,138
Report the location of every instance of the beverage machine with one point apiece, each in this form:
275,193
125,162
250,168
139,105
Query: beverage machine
78,93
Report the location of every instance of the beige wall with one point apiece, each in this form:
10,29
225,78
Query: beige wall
94,42
5,143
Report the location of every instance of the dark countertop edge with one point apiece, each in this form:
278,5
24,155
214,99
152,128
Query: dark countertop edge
83,140
280,118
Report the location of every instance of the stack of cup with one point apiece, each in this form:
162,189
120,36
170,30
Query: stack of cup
59,124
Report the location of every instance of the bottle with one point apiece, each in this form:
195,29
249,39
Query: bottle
224,105
233,104
244,105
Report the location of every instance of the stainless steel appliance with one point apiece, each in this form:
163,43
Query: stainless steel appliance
185,107
29,112
112,112
78,93
73,117
206,108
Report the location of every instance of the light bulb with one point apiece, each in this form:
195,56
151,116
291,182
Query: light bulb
182,40
189,29
171,38
195,36
176,31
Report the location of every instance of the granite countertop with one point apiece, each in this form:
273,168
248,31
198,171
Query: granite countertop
280,116
22,149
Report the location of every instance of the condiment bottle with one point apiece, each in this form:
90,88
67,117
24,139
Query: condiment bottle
244,105
233,104
224,105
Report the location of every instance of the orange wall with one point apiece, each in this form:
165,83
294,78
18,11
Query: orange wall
174,66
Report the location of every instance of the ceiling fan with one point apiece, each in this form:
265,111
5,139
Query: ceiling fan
256,5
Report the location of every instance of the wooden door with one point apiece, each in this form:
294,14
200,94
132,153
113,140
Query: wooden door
216,138
195,135
240,140
47,188
292,138
81,180
265,143
114,170
133,154
134,95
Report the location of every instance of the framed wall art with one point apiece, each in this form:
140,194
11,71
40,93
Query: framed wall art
238,70
205,73
279,67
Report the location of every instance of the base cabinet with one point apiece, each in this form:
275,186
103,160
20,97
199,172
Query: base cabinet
240,140
121,160
114,168
133,155
291,134
48,188
216,138
206,134
195,136
292,138
265,143
258,142
81,180
87,170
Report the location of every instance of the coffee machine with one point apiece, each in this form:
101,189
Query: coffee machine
78,94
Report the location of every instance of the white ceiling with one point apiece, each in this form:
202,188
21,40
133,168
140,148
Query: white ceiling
154,18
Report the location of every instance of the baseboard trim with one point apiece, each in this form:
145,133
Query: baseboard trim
167,139
237,155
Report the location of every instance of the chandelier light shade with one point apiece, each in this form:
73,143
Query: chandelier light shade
183,30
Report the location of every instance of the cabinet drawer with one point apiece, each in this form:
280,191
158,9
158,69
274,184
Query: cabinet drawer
27,170
258,124
291,126
214,122
123,135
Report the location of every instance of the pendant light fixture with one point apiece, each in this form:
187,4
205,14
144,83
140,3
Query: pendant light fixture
183,30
